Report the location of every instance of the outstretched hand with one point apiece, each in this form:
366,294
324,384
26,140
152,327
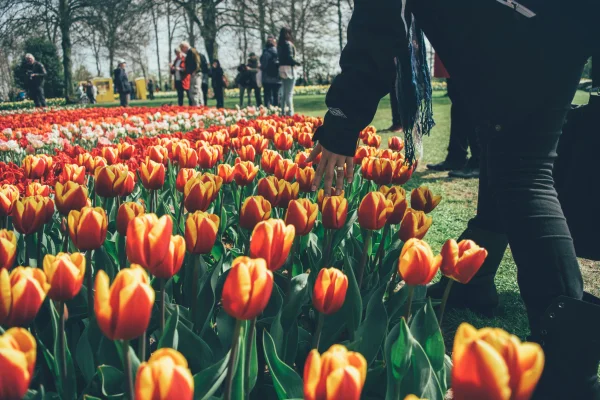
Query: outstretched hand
332,166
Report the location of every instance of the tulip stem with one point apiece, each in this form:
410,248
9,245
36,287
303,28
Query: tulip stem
365,257
122,252
195,278
142,347
411,292
89,282
151,201
40,237
290,267
65,247
248,359
317,336
233,355
61,340
163,299
445,300
180,212
379,257
127,367
328,238
392,284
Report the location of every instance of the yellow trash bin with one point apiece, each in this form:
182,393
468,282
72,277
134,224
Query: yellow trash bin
140,86
105,90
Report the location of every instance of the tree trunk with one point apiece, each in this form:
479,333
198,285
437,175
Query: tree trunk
209,31
261,21
155,23
190,25
65,31
293,16
169,30
340,25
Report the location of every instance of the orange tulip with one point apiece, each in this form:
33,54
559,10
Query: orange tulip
8,248
72,173
247,288
379,170
397,195
8,195
200,192
374,211
23,292
114,180
90,162
422,199
151,244
34,167
125,150
188,158
334,212
417,265
283,141
305,139
415,224
413,397
31,213
254,210
369,130
87,228
126,213
247,153
461,261
286,169
37,189
158,154
272,240
330,289
225,172
123,310
165,376
336,374
390,155
152,175
492,364
110,154
287,192
259,142
70,196
396,143
207,156
201,232
244,172
363,152
65,274
305,177
301,158
302,214
402,173
18,351
184,176
269,160
269,189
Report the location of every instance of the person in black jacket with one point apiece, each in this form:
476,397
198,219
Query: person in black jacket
218,82
35,80
269,65
518,67
253,68
287,53
150,89
205,68
122,85
193,70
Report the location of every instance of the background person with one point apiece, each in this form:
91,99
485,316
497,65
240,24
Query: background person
35,73
122,85
91,92
205,68
151,89
243,81
193,70
219,82
182,82
287,61
253,67
269,65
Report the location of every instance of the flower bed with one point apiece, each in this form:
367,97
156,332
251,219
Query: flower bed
185,256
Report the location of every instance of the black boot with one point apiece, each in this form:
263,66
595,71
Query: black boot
569,333
480,294
447,165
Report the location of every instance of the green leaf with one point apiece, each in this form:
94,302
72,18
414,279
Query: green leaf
426,330
372,331
421,379
225,325
352,308
112,381
239,379
401,351
295,299
170,337
67,383
341,234
287,382
194,349
85,357
208,381
253,371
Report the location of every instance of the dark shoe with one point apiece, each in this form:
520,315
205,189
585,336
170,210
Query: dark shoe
569,334
480,294
446,165
465,173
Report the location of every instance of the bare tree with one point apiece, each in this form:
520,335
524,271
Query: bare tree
155,12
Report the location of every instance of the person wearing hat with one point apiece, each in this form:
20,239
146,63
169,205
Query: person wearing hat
35,80
269,65
122,85
253,69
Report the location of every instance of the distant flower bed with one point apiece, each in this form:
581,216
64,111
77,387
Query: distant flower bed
28,104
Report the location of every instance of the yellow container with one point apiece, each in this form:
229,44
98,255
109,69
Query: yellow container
105,90
140,86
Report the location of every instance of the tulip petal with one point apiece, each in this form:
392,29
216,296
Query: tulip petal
312,375
102,306
135,307
344,383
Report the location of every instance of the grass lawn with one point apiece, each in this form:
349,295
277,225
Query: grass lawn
450,218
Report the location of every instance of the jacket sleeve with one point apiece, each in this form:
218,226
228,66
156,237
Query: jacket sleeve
292,54
41,71
376,34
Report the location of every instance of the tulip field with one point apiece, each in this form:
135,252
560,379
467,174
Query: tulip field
180,253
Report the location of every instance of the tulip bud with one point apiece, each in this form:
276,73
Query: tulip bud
413,397
23,293
244,172
373,140
65,274
72,173
374,211
286,169
417,265
150,243
506,368
422,199
287,192
87,228
114,180
379,170
184,176
201,232
31,213
396,143
247,288
123,310
247,153
225,172
415,224
334,212
402,173
208,156
70,196
8,248
336,374
125,150
461,261
269,160
330,289
37,189
269,189
8,195
302,214
254,210
305,177
110,154
305,139
152,175
397,195
321,197
34,167
165,376
18,351
272,240
363,152
188,158
126,213
200,192
158,154
283,141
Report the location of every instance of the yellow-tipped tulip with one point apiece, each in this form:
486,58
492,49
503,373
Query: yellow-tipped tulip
461,261
397,195
8,248
37,189
165,376
201,232
254,210
417,265
422,199
302,214
114,180
21,295
330,290
374,211
334,212
8,195
415,225
126,213
65,274
18,351
87,228
31,213
247,289
70,196
152,175
272,240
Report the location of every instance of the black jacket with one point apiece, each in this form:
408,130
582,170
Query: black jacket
204,64
287,54
122,81
217,77
192,61
38,69
269,65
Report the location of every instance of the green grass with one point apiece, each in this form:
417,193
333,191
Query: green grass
451,216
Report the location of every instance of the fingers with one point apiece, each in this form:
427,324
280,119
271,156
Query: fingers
339,175
329,176
314,153
349,169
319,173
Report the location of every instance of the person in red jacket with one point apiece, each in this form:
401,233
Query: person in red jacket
182,81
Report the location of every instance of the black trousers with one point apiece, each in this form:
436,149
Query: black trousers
37,95
271,91
520,75
219,96
462,128
205,93
151,94
396,117
124,98
180,91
